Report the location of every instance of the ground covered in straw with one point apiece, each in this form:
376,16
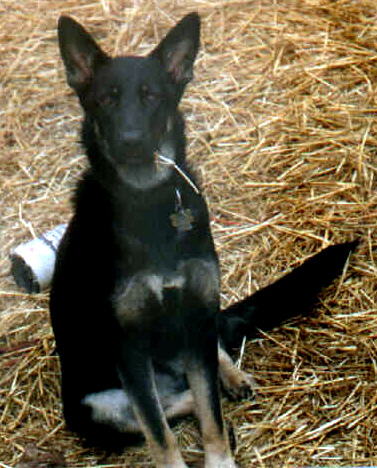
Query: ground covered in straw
282,128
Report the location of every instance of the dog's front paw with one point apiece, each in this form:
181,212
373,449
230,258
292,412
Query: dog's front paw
221,463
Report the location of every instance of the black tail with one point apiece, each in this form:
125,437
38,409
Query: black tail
294,294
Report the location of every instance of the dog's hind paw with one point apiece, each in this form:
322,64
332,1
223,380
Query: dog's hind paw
239,385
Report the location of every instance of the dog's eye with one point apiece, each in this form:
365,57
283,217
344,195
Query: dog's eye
110,97
148,95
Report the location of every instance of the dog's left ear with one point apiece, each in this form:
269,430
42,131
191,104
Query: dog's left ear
177,51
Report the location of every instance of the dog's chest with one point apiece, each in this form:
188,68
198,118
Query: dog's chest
166,253
157,233
152,295
143,298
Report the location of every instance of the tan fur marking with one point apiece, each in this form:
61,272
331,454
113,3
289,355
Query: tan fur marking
130,302
168,456
236,382
180,405
202,277
164,457
216,443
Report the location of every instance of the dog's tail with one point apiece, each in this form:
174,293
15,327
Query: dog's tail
293,294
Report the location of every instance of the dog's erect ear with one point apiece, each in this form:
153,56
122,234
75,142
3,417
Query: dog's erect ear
80,53
177,51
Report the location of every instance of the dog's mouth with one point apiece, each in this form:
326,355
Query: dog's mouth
134,157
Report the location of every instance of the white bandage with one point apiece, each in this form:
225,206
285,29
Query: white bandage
33,262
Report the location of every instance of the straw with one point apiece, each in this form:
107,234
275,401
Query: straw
281,129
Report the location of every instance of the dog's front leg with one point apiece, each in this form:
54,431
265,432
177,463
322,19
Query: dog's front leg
200,304
137,375
202,374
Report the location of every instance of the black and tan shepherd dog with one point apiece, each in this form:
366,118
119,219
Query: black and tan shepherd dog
135,294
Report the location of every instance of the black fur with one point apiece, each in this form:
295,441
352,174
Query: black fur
294,294
132,291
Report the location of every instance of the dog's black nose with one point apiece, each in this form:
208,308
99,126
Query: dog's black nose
132,137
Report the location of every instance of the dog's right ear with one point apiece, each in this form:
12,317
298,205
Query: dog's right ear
80,53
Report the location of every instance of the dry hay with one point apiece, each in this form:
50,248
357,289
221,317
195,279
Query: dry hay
281,123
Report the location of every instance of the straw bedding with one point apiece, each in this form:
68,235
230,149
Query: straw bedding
282,129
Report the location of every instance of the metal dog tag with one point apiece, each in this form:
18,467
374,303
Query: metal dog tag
182,219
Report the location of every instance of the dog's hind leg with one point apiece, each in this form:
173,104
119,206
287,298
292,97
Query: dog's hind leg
137,376
179,405
236,383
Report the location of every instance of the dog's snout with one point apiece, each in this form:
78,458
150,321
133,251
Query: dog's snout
132,137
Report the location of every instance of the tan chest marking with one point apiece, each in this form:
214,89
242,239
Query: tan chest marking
131,300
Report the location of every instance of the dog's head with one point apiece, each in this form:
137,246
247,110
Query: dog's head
130,100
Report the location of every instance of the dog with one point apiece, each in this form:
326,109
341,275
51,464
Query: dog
135,294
